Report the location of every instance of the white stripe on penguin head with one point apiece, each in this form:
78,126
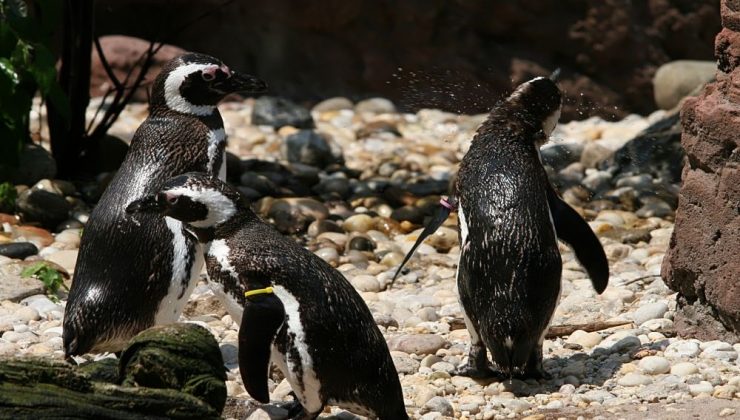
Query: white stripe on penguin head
175,100
220,207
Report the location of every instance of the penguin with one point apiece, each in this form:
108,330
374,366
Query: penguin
293,308
132,273
510,219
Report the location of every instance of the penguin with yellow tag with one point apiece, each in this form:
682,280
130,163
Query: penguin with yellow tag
294,310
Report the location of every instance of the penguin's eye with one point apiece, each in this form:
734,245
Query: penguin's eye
172,199
208,76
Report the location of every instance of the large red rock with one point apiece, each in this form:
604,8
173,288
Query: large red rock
458,55
703,260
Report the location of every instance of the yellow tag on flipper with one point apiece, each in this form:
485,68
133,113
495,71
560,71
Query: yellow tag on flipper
265,291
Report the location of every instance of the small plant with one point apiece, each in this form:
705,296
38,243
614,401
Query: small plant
51,278
8,195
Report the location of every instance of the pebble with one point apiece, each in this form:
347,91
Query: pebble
440,405
634,379
682,349
649,311
654,365
702,387
417,343
684,369
18,250
719,350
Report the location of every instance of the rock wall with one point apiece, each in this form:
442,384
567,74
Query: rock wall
458,55
703,261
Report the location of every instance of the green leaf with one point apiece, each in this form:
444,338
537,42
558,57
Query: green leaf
7,69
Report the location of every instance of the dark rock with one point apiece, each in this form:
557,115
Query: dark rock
47,208
18,250
419,54
105,155
124,53
702,262
560,155
361,243
293,215
309,148
35,164
426,187
334,185
278,112
260,183
656,151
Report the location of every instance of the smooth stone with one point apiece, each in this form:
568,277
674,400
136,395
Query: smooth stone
649,311
309,148
361,243
65,259
417,343
293,215
681,349
365,283
654,365
585,339
404,363
13,287
597,395
333,104
18,250
278,112
358,223
684,369
42,304
702,387
70,237
329,255
634,379
45,207
720,351
440,405
375,106
230,353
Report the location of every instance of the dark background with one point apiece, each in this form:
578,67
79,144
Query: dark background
458,55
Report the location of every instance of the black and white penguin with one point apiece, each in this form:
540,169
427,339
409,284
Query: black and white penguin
293,308
510,219
135,272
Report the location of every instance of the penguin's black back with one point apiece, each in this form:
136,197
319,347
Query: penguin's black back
125,261
510,265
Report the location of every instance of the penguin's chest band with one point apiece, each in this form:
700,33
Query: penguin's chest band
265,291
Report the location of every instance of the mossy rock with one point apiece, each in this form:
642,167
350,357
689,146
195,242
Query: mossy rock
177,356
168,372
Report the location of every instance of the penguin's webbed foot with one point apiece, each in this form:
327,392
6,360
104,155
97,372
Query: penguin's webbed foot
478,372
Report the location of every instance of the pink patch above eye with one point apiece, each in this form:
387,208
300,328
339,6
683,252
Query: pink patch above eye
226,70
209,73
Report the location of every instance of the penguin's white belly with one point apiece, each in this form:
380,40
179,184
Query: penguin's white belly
309,394
173,304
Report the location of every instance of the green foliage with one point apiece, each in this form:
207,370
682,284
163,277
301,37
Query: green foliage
8,194
26,65
51,278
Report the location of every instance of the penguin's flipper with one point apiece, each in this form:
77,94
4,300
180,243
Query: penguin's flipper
445,208
572,229
263,316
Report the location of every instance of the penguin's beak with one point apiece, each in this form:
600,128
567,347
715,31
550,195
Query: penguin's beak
149,204
241,82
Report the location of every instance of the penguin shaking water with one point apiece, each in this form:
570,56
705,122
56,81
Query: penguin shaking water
296,311
133,273
510,219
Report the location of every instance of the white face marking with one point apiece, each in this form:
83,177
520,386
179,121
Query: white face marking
310,395
172,305
550,122
216,139
220,207
172,95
